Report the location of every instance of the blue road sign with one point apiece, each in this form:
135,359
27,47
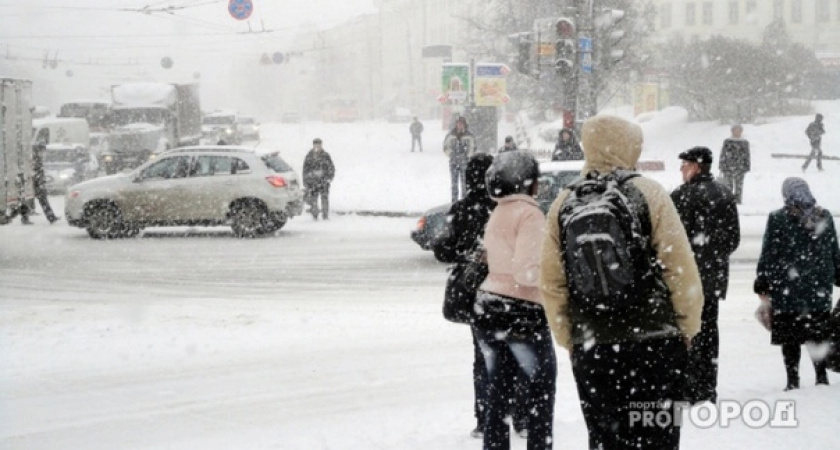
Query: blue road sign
240,9
585,44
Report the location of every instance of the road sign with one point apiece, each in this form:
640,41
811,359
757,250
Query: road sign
585,49
585,44
240,9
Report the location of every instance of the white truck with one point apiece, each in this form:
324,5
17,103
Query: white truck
16,187
149,118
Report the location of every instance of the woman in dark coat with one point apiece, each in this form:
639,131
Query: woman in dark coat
799,263
567,148
468,218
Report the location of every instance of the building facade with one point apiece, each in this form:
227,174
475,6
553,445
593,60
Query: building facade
812,23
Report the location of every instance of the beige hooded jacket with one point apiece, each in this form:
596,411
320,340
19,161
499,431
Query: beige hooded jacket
610,143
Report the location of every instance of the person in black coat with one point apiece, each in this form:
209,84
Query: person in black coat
39,182
797,270
735,161
567,148
814,131
709,214
468,218
318,173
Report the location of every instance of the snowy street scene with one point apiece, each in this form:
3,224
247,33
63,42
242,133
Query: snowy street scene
327,334
419,225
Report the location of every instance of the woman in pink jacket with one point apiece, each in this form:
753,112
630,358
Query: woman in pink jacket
511,321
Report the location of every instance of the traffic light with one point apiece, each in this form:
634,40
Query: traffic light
565,50
524,43
609,24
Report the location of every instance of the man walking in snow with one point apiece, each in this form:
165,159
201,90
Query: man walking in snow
735,161
710,216
416,129
459,145
814,132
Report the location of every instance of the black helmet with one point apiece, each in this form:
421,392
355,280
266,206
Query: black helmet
512,173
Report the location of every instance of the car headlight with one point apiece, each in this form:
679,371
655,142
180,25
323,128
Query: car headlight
64,176
152,156
109,158
229,131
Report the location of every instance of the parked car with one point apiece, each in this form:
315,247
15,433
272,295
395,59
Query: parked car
554,176
66,165
249,128
195,186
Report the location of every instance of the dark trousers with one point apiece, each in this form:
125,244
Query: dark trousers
416,138
534,354
313,192
614,379
41,195
735,183
458,171
517,398
702,373
816,152
792,353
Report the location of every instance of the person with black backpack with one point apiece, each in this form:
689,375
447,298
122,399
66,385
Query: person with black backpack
709,213
621,291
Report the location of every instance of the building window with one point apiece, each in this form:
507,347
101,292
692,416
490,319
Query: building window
708,17
733,13
823,11
778,9
796,11
665,16
690,14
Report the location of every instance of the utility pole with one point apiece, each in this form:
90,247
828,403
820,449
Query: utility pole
586,101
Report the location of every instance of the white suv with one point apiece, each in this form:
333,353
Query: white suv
213,185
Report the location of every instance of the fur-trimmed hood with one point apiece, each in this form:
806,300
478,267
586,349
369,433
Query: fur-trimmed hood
609,143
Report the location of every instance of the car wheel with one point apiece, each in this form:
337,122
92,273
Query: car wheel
248,219
104,221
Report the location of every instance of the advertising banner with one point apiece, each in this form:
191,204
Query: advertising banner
456,81
490,84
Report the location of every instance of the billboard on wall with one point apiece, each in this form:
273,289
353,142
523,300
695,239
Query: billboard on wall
490,84
456,81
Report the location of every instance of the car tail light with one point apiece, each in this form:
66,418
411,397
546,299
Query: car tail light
73,194
421,224
276,181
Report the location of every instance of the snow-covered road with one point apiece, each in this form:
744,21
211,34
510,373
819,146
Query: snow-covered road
327,336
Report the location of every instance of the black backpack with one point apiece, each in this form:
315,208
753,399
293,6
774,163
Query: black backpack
605,231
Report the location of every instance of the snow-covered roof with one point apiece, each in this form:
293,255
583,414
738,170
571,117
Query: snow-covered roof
144,94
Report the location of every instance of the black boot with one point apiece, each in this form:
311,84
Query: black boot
822,374
791,354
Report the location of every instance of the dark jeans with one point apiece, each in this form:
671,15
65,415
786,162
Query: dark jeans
701,376
534,354
458,171
312,194
816,152
614,379
418,139
517,399
735,183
